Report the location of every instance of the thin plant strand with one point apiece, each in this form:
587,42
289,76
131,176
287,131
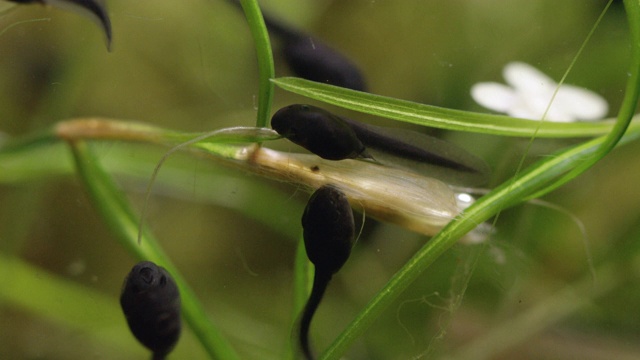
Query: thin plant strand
195,140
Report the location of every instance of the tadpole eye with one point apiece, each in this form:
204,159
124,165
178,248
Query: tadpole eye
153,315
146,274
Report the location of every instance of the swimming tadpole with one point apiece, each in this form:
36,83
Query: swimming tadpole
150,301
333,137
311,59
329,234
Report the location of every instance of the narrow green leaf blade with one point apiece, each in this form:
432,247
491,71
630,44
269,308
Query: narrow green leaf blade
433,116
265,59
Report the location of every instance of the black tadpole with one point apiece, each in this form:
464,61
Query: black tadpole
311,59
151,303
95,9
329,233
318,131
336,138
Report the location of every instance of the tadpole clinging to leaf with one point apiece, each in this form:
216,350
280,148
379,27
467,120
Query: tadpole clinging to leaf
312,59
93,9
333,137
329,234
151,303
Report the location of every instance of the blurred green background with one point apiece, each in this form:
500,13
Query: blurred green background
190,66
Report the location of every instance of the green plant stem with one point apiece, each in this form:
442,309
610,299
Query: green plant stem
120,218
303,277
265,59
302,280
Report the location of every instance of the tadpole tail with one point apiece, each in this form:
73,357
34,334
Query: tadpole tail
158,356
95,8
320,282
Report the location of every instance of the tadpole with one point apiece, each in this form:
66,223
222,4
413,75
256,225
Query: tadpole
336,138
150,301
318,131
329,233
312,59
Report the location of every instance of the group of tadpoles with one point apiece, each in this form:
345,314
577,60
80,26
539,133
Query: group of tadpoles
150,298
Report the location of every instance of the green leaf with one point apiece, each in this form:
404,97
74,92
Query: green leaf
302,280
433,116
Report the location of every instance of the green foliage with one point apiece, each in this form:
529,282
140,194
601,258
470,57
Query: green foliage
234,274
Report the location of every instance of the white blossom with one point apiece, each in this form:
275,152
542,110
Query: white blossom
529,91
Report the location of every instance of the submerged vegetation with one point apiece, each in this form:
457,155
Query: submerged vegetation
82,129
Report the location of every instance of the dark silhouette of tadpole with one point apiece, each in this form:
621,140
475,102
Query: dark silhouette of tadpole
311,59
151,303
329,233
318,131
94,8
336,138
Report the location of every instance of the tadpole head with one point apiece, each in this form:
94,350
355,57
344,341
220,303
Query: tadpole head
284,121
143,276
151,304
318,131
328,229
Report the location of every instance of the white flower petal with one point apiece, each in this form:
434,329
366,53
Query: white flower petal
556,114
538,104
493,96
582,103
531,92
526,79
532,107
522,112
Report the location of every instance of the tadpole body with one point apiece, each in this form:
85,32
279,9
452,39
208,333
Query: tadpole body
318,131
150,301
329,233
312,59
94,9
336,138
